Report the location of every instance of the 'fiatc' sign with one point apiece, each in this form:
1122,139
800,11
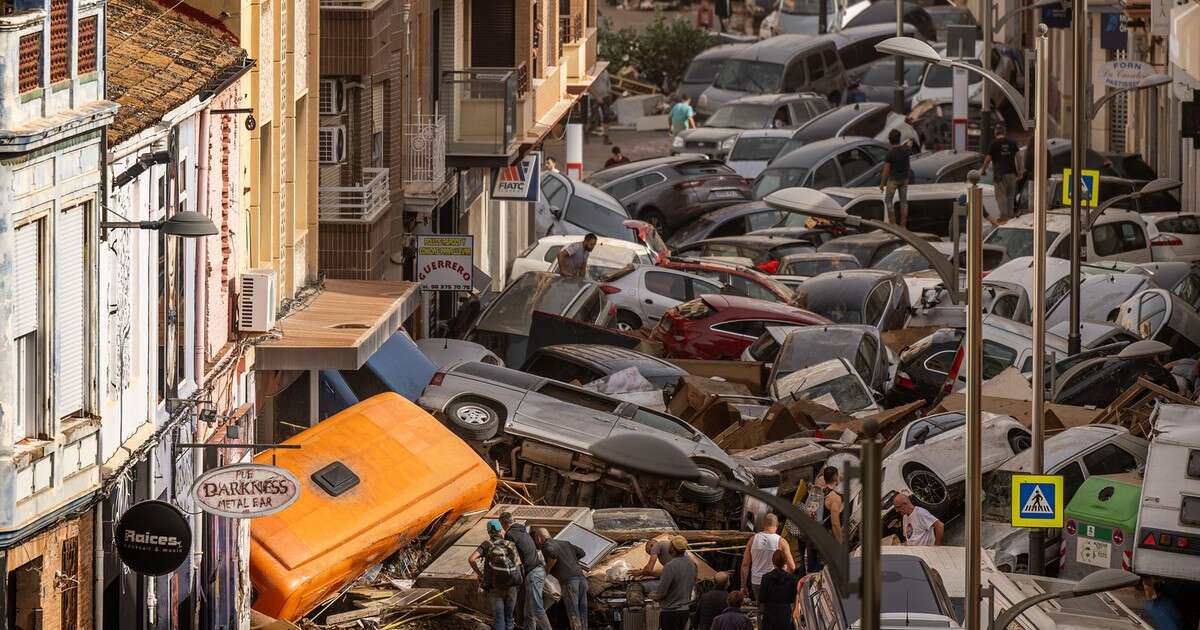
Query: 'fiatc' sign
444,261
520,181
246,490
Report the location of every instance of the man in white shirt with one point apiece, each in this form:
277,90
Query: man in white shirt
921,529
756,561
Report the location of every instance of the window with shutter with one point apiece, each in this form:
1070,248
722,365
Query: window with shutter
70,313
87,44
26,320
60,40
30,62
493,33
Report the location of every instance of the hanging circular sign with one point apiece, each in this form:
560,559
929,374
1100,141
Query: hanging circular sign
246,490
153,538
1123,73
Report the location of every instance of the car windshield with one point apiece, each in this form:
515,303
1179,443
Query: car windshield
818,266
512,311
906,589
703,70
903,260
740,116
943,76
884,73
603,220
846,392
1017,241
747,75
781,290
607,262
774,179
694,231
756,149
805,349
843,307
805,7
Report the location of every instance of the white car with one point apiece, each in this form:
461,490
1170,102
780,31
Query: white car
643,293
610,254
834,384
1116,235
750,151
925,459
1173,236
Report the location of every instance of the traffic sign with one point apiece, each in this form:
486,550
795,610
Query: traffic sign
1037,501
1089,180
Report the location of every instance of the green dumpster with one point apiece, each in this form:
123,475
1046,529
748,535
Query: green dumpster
1100,525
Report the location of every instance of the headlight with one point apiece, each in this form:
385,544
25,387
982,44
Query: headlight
677,143
727,143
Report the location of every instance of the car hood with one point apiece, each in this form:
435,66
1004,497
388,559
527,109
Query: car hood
708,134
714,97
800,24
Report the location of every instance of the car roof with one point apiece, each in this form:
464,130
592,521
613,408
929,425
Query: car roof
915,191
736,210
723,302
773,99
762,240
856,34
803,256
781,48
723,51
938,160
766,133
1066,445
812,152
847,279
838,117
615,358
607,175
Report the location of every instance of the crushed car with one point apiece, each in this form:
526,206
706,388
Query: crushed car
722,326
861,296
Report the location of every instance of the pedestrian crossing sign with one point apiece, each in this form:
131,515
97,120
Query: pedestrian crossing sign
1089,180
1037,501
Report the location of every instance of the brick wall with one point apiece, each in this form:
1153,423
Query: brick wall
345,42
61,586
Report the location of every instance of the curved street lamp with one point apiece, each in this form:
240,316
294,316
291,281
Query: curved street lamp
187,224
1098,582
1146,83
1162,184
913,48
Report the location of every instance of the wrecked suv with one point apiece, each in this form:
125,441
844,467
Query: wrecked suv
542,430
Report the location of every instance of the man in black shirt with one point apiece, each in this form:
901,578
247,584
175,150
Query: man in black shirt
535,572
895,178
1002,155
562,560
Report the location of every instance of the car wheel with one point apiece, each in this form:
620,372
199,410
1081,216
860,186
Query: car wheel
628,322
927,488
473,419
656,219
701,492
1019,441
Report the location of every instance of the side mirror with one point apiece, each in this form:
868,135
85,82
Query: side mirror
556,212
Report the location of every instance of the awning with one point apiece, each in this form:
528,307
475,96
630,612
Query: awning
341,327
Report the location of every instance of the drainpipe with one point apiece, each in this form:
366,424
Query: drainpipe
98,565
201,337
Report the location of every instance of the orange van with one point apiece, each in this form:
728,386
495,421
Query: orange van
372,478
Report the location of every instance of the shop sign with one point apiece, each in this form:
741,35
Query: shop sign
153,538
518,182
245,490
1123,73
444,261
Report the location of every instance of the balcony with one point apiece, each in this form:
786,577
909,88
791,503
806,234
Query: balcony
482,119
426,155
357,204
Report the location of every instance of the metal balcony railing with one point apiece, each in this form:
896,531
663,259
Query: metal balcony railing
426,152
482,117
356,203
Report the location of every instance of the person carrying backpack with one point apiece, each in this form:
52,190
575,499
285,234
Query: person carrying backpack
498,564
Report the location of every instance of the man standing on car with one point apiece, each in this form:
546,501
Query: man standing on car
1002,155
562,561
573,259
921,529
499,575
895,178
675,587
535,572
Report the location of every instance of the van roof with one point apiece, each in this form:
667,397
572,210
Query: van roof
1178,424
783,48
1065,446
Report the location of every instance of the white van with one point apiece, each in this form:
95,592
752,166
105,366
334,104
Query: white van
1168,530
1116,235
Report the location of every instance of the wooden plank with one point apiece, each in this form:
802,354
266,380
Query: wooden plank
719,536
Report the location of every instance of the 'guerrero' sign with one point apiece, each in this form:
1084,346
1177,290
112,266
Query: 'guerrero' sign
1123,73
246,490
444,261
153,538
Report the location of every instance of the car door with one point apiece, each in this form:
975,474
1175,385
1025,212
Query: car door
856,165
552,203
556,413
658,291
801,113
826,175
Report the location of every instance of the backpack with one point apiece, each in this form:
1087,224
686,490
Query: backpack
502,565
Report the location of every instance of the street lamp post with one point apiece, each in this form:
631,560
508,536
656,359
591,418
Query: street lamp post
1040,166
1098,582
974,422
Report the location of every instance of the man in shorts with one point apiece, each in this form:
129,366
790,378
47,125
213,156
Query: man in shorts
896,174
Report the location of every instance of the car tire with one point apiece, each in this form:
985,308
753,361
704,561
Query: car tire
655,218
473,419
1019,441
700,492
928,489
627,322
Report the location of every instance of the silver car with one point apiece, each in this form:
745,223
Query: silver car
642,294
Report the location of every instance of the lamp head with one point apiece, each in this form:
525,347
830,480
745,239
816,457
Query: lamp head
809,201
188,224
1162,184
1104,580
973,177
911,48
1154,80
643,453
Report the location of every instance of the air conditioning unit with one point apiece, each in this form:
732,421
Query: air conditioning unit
256,300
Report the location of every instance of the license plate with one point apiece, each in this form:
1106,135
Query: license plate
726,194
1094,552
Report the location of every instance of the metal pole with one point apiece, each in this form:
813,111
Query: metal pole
974,467
1080,107
1036,561
871,527
898,93
985,110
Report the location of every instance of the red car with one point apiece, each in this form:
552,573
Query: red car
741,280
720,327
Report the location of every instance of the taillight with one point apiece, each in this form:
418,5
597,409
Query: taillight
1118,537
688,183
609,289
1166,240
768,267
954,368
1070,527
902,380
437,379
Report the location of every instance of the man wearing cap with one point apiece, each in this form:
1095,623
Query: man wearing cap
675,586
502,598
535,572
